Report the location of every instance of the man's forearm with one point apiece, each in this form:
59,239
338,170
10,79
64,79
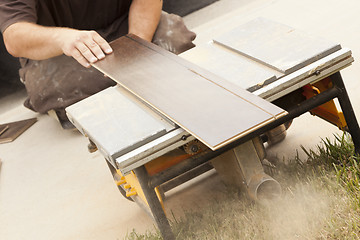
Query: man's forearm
144,17
32,41
36,42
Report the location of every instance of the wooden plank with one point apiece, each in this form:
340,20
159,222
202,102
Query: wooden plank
276,45
10,131
195,99
221,82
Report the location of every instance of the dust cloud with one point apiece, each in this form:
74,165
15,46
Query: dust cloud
302,212
311,208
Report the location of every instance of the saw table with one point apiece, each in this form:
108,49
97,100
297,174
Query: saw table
148,153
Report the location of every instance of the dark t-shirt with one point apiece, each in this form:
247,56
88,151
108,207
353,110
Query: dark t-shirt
78,14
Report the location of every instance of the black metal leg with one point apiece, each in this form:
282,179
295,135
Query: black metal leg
348,110
154,204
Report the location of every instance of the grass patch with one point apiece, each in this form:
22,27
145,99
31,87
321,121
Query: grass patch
320,200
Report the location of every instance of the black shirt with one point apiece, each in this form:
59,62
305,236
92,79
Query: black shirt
78,14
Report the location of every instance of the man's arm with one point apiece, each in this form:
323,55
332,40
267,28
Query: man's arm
144,17
29,40
36,42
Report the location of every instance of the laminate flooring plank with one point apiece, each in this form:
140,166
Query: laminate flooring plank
10,131
221,82
276,45
211,113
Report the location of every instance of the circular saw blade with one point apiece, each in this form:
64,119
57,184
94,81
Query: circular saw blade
193,147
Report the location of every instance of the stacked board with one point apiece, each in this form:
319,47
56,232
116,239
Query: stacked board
259,52
276,45
210,108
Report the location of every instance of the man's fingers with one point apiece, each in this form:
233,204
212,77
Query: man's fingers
104,45
85,52
85,46
81,59
94,46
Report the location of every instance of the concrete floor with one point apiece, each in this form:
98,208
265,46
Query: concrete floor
52,188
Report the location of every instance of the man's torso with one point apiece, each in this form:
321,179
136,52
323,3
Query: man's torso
78,14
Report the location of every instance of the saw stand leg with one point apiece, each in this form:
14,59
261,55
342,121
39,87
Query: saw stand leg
347,109
154,204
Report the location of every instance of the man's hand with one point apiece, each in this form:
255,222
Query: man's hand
85,46
36,42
